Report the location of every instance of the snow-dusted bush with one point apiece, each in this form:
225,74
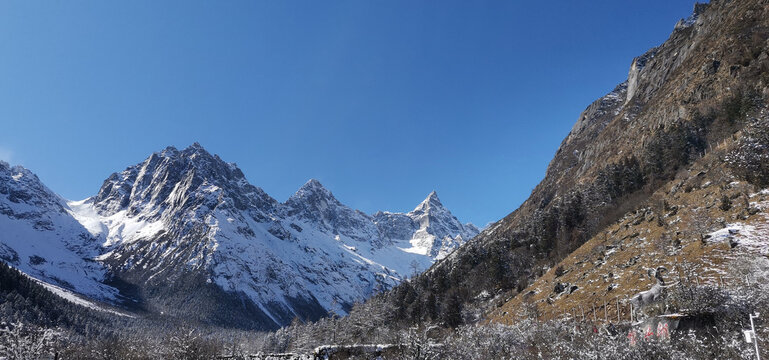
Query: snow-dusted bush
190,345
21,342
698,300
750,159
483,342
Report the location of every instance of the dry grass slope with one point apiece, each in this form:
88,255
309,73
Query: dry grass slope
671,230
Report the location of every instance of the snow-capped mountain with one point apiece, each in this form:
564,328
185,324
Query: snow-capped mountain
430,229
39,236
185,234
315,205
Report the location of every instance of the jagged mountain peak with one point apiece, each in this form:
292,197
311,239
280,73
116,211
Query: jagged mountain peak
197,151
432,229
431,202
312,192
18,171
313,186
195,155
23,186
313,183
7,167
195,146
172,177
315,204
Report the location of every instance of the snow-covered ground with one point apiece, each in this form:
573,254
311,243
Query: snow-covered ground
753,236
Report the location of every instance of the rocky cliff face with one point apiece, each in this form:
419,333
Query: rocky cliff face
184,234
680,100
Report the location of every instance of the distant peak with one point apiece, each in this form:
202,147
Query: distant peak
195,153
196,156
169,151
195,148
312,187
312,191
430,202
432,198
313,184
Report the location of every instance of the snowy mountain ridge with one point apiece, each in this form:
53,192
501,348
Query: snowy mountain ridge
185,219
39,237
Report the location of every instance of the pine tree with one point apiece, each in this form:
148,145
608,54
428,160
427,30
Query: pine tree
452,311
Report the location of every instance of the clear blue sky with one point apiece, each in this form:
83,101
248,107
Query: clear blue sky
382,101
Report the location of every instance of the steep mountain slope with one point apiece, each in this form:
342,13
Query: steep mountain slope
703,227
184,234
39,236
680,100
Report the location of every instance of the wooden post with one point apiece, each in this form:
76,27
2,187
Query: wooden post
605,312
583,313
618,320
